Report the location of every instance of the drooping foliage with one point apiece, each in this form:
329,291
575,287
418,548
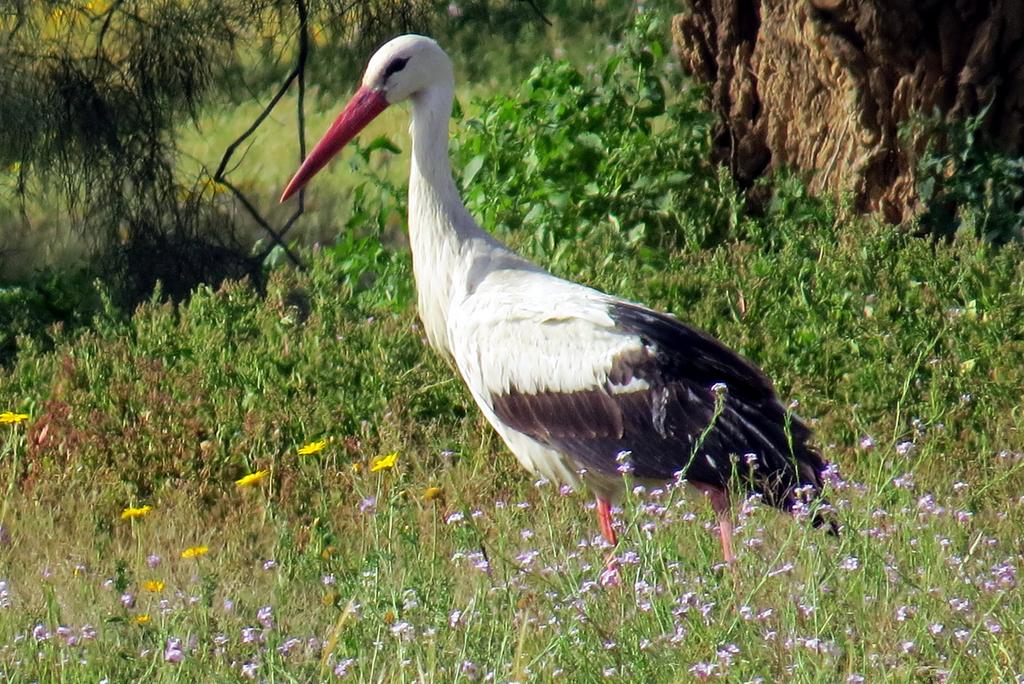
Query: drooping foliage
91,93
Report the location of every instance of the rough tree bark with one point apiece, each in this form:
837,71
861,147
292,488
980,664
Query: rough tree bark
823,86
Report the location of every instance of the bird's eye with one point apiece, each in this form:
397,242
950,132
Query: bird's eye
395,66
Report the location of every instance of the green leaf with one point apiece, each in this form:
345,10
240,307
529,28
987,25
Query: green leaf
472,169
592,141
381,142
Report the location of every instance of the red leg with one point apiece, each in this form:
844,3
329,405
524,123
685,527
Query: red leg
723,513
604,515
610,576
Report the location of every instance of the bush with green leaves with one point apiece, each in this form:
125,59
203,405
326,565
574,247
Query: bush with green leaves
968,186
621,142
39,315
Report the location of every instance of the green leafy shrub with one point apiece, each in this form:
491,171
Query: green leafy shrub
620,142
227,382
368,253
968,186
35,315
867,325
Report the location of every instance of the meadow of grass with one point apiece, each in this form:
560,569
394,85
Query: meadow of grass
905,356
407,545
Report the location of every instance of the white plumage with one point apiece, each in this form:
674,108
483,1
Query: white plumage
576,382
529,332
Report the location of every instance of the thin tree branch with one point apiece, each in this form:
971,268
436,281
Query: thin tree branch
109,16
537,9
300,112
219,176
256,216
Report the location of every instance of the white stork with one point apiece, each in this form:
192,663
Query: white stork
577,383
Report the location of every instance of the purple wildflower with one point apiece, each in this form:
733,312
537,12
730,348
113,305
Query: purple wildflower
727,653
403,630
252,635
469,670
172,651
343,666
959,605
905,481
265,616
849,563
289,645
903,613
703,671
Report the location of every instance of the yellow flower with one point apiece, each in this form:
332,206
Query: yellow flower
433,493
252,478
142,619
194,551
384,462
8,417
96,6
129,513
214,186
155,586
357,467
318,35
313,448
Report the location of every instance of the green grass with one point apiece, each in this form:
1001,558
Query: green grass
877,334
905,355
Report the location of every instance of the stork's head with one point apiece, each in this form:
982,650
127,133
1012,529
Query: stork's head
402,68
406,65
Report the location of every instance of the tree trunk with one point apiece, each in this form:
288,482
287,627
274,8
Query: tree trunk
824,86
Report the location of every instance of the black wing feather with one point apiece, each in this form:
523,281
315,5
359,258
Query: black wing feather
672,425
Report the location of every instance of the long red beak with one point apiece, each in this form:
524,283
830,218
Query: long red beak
361,110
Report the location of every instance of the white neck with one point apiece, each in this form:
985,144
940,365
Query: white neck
440,227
